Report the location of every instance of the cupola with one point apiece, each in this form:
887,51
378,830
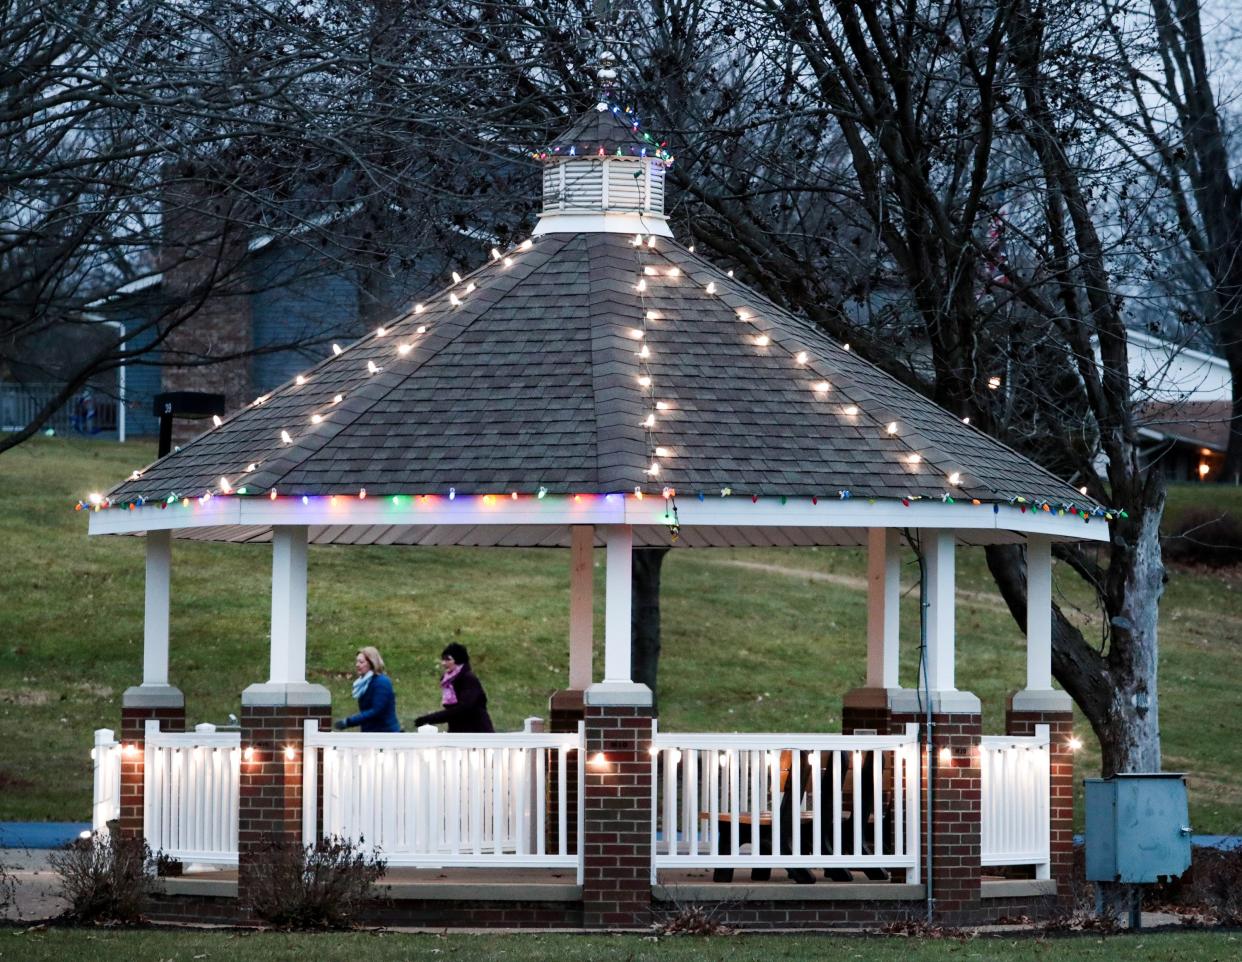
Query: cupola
605,174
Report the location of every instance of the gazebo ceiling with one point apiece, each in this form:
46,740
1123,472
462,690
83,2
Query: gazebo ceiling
596,363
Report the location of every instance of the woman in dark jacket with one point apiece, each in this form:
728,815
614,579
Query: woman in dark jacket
377,702
461,694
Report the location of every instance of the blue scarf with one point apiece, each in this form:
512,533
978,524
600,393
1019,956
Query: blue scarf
360,684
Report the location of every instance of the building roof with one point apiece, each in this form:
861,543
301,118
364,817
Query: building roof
532,382
1203,424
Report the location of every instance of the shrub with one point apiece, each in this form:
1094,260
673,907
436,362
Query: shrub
323,886
1205,536
1212,885
105,878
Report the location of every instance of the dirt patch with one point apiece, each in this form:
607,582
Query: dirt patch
95,691
13,783
24,696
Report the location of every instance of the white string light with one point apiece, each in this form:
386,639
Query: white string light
892,427
300,380
454,299
336,348
381,331
316,418
801,357
763,340
215,419
405,349
456,278
284,436
955,479
372,367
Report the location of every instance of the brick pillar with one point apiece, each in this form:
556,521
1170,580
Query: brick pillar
616,885
956,813
565,710
1061,787
133,744
270,796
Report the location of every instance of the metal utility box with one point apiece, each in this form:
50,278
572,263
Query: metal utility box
1138,827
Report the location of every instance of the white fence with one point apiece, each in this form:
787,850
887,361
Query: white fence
711,794
429,800
190,793
1016,779
106,797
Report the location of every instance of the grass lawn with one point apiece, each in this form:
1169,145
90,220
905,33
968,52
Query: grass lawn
150,946
754,640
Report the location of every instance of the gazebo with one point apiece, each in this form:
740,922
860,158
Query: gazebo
601,385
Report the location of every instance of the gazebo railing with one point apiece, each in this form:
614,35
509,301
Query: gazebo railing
791,800
432,800
106,794
1016,773
191,793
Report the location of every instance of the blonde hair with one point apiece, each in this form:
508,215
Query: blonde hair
372,655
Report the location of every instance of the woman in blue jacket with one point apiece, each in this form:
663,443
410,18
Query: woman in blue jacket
377,702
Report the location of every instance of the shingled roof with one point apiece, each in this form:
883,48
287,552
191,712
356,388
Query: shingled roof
533,380
607,128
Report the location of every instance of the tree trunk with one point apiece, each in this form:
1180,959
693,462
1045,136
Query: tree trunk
1227,339
1116,690
645,617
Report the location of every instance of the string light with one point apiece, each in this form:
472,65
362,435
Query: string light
215,419
662,405
763,340
454,299
644,380
225,486
801,357
651,242
526,244
965,420
674,272
649,271
662,452
915,458
636,333
422,329
654,469
316,418
994,382
891,427
300,380
711,287
638,240
652,316
338,398
456,278
381,331
419,308
405,349
284,436
649,421
372,368
641,285
250,467
470,288
495,254
644,352
508,262
955,478
336,348
821,387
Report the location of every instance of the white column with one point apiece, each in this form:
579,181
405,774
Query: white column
938,554
286,684
155,614
1039,695
617,688
288,654
581,605
883,606
1038,614
155,691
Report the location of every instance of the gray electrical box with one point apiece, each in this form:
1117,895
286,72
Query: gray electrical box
1138,827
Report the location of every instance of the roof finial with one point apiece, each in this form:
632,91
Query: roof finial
606,74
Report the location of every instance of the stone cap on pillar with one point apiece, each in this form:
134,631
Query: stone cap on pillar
274,694
911,701
619,693
153,696
870,697
1047,700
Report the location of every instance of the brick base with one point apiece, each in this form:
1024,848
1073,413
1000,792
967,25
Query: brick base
133,741
270,792
616,889
956,814
1061,784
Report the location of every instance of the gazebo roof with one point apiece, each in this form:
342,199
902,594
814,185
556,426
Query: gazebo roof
533,382
590,363
606,129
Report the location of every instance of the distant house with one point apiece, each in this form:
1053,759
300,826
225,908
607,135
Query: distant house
1187,406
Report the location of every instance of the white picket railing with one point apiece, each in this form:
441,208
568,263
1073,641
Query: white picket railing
430,800
106,797
190,793
702,783
1016,781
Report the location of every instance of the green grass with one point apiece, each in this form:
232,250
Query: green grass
183,946
754,640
